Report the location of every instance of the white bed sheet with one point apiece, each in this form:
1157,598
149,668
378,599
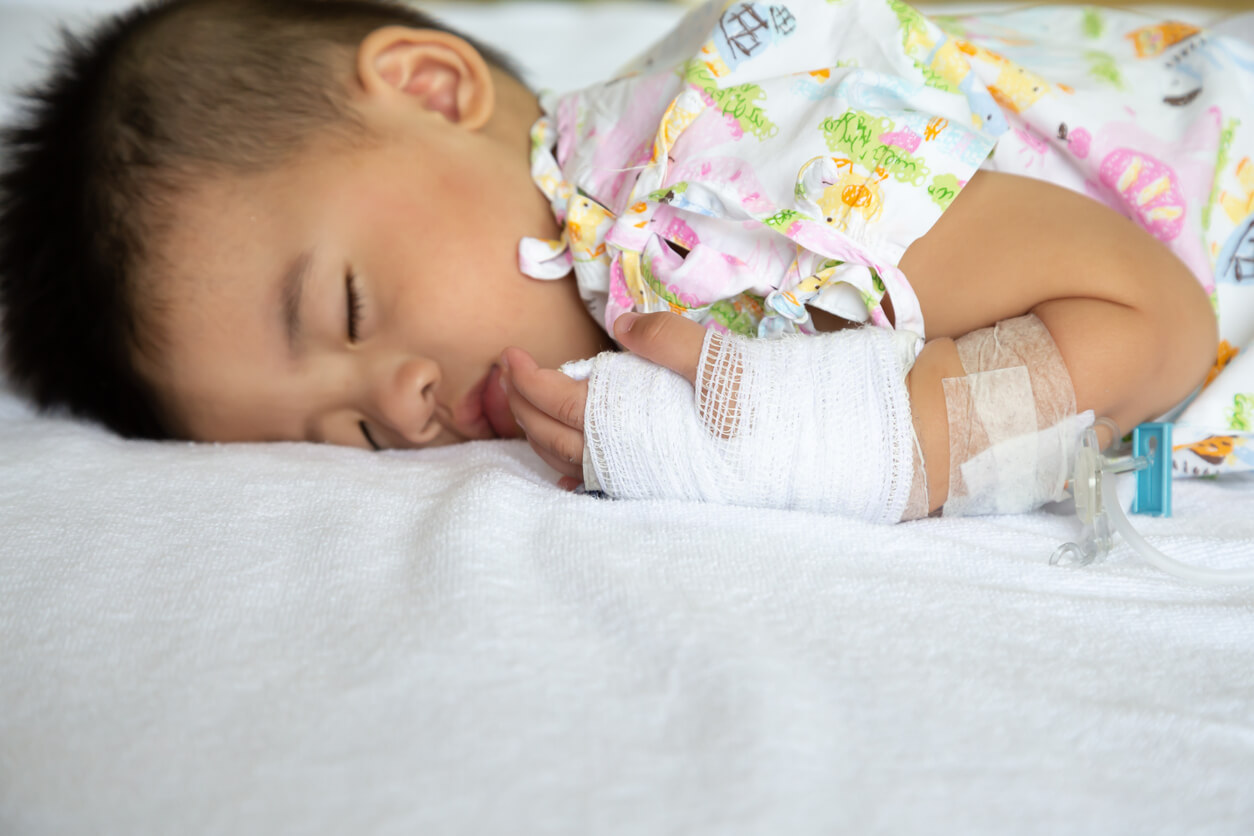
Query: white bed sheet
295,639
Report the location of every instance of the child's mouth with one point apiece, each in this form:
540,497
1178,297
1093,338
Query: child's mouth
496,406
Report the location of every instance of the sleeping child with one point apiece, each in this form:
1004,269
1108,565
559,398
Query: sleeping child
828,256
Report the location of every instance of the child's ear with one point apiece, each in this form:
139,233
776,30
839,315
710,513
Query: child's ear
438,71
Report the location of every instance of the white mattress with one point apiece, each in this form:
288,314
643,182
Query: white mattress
297,639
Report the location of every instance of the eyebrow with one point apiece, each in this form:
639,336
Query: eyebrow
293,285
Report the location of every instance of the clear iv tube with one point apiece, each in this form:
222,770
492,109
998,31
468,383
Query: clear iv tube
1196,574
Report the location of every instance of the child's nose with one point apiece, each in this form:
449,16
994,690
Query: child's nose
406,398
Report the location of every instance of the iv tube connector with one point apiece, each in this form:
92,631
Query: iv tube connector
1098,508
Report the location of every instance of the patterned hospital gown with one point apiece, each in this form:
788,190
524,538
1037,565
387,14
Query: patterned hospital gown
764,158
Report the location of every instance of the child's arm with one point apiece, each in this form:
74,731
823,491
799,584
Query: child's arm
1131,323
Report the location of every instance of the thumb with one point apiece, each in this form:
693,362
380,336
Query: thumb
666,339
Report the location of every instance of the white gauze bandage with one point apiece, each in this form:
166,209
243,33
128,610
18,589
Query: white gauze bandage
817,423
1013,428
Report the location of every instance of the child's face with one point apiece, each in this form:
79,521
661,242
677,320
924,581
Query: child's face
419,236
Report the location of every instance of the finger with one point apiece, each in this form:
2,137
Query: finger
563,442
548,389
559,445
664,338
567,469
569,483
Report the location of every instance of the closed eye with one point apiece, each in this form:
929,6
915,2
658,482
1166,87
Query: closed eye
353,303
365,431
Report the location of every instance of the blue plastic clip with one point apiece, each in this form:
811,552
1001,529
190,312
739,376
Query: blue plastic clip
1153,482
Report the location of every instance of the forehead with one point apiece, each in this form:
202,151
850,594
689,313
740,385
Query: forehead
211,210
226,244
214,279
217,216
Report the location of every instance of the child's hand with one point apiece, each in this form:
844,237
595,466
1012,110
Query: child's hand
549,406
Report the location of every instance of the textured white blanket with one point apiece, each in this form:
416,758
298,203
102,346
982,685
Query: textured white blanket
272,639
297,639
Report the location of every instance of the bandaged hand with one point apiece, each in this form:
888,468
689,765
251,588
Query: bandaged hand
816,423
550,405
